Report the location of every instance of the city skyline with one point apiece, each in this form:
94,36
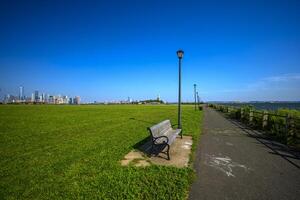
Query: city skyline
43,97
104,51
38,97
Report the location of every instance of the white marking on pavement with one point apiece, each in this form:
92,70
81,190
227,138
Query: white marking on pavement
223,164
229,144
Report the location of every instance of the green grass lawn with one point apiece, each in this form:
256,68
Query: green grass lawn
74,152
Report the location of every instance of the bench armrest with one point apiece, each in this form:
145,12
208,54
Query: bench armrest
161,140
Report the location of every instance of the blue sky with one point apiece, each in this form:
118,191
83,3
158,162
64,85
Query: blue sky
111,50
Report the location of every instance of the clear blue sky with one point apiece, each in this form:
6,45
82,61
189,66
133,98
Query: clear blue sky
108,50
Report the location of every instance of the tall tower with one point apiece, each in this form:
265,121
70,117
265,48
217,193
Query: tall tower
21,93
36,96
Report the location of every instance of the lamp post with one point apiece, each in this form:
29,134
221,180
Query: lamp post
180,56
199,101
195,95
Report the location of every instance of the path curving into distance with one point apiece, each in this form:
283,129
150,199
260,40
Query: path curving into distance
235,162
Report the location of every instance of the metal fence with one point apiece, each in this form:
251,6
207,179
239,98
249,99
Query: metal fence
285,128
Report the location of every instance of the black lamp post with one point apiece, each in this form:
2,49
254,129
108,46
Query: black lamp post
180,56
198,101
195,91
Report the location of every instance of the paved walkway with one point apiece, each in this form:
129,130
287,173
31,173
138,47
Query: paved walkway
234,162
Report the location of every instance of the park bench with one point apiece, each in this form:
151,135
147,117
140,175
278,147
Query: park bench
162,136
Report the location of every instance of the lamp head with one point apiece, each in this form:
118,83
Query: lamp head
180,54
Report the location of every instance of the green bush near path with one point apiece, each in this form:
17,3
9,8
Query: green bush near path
74,152
282,125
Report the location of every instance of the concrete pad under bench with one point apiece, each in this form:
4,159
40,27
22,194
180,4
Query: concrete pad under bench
179,152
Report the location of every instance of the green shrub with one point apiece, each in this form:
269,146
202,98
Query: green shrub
283,124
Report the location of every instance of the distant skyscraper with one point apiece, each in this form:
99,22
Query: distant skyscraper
129,100
46,98
76,100
32,97
36,96
51,99
43,97
65,99
7,98
21,93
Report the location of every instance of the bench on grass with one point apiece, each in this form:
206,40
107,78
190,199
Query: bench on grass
162,136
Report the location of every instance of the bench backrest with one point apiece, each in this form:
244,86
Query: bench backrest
160,128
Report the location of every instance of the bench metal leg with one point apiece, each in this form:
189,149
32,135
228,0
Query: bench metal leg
168,152
152,150
156,149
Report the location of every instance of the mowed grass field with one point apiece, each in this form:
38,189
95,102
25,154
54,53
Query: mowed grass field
74,152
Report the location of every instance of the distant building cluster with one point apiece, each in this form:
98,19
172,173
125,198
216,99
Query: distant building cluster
40,98
131,101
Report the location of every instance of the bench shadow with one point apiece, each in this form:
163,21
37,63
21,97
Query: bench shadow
144,146
277,148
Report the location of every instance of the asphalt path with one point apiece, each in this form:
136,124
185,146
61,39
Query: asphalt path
235,162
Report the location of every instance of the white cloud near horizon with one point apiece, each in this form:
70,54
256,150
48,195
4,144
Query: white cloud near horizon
283,78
